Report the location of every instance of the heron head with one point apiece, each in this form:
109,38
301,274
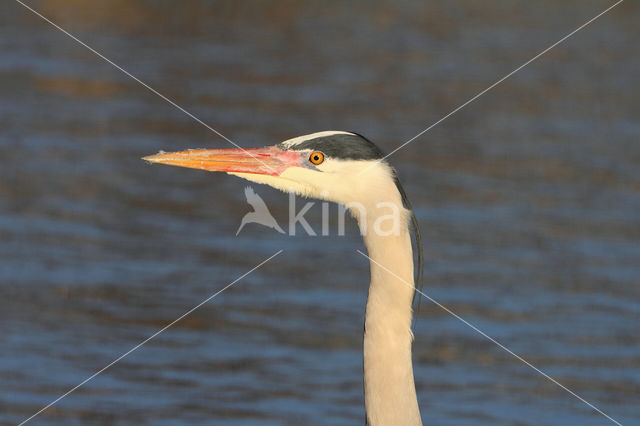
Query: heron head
336,166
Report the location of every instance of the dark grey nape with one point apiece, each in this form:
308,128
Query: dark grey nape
342,146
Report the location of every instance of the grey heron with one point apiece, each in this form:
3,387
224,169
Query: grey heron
347,168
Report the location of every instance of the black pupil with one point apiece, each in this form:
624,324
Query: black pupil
316,157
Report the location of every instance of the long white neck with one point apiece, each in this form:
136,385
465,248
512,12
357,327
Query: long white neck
389,388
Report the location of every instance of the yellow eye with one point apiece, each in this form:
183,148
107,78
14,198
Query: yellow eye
316,157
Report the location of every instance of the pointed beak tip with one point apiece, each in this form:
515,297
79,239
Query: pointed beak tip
155,158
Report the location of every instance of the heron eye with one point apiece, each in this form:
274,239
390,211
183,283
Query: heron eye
316,157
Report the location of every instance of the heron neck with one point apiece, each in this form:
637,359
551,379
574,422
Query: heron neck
390,394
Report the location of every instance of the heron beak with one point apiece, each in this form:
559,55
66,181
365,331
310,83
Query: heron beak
265,161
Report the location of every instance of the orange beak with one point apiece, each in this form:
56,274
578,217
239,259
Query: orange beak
265,161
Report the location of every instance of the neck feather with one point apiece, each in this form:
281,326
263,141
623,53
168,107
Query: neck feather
390,395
